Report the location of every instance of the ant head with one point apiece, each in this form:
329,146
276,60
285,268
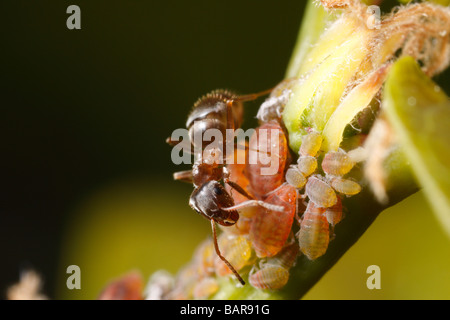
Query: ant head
210,200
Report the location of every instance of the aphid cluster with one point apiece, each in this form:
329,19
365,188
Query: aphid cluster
322,191
256,212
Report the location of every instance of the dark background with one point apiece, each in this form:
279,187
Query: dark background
83,108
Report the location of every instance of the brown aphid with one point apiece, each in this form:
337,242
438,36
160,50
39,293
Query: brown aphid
268,152
334,214
270,277
314,234
237,250
128,287
337,163
345,186
205,288
319,192
307,165
311,144
270,229
295,178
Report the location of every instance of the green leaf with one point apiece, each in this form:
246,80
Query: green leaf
419,112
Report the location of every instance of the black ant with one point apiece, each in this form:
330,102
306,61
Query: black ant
220,110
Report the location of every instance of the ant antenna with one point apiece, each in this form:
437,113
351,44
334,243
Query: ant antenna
216,246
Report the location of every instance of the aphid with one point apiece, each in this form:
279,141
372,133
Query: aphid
295,177
287,256
335,3
219,110
270,229
159,285
311,144
204,257
272,108
337,163
307,165
319,192
237,174
236,249
205,288
345,186
185,281
269,146
128,287
334,214
270,277
314,234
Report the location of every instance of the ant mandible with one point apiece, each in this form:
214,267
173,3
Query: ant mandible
220,110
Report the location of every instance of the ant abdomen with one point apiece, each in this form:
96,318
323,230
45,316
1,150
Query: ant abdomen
211,112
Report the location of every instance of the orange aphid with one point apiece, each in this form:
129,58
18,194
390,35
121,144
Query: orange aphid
128,287
267,160
269,277
314,234
270,229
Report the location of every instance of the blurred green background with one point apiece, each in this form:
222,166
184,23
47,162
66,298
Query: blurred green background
87,176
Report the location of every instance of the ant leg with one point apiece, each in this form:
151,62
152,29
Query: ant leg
184,176
183,144
252,203
216,247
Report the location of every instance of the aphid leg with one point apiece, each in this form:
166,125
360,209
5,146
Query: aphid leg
184,176
238,188
216,247
252,203
332,234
